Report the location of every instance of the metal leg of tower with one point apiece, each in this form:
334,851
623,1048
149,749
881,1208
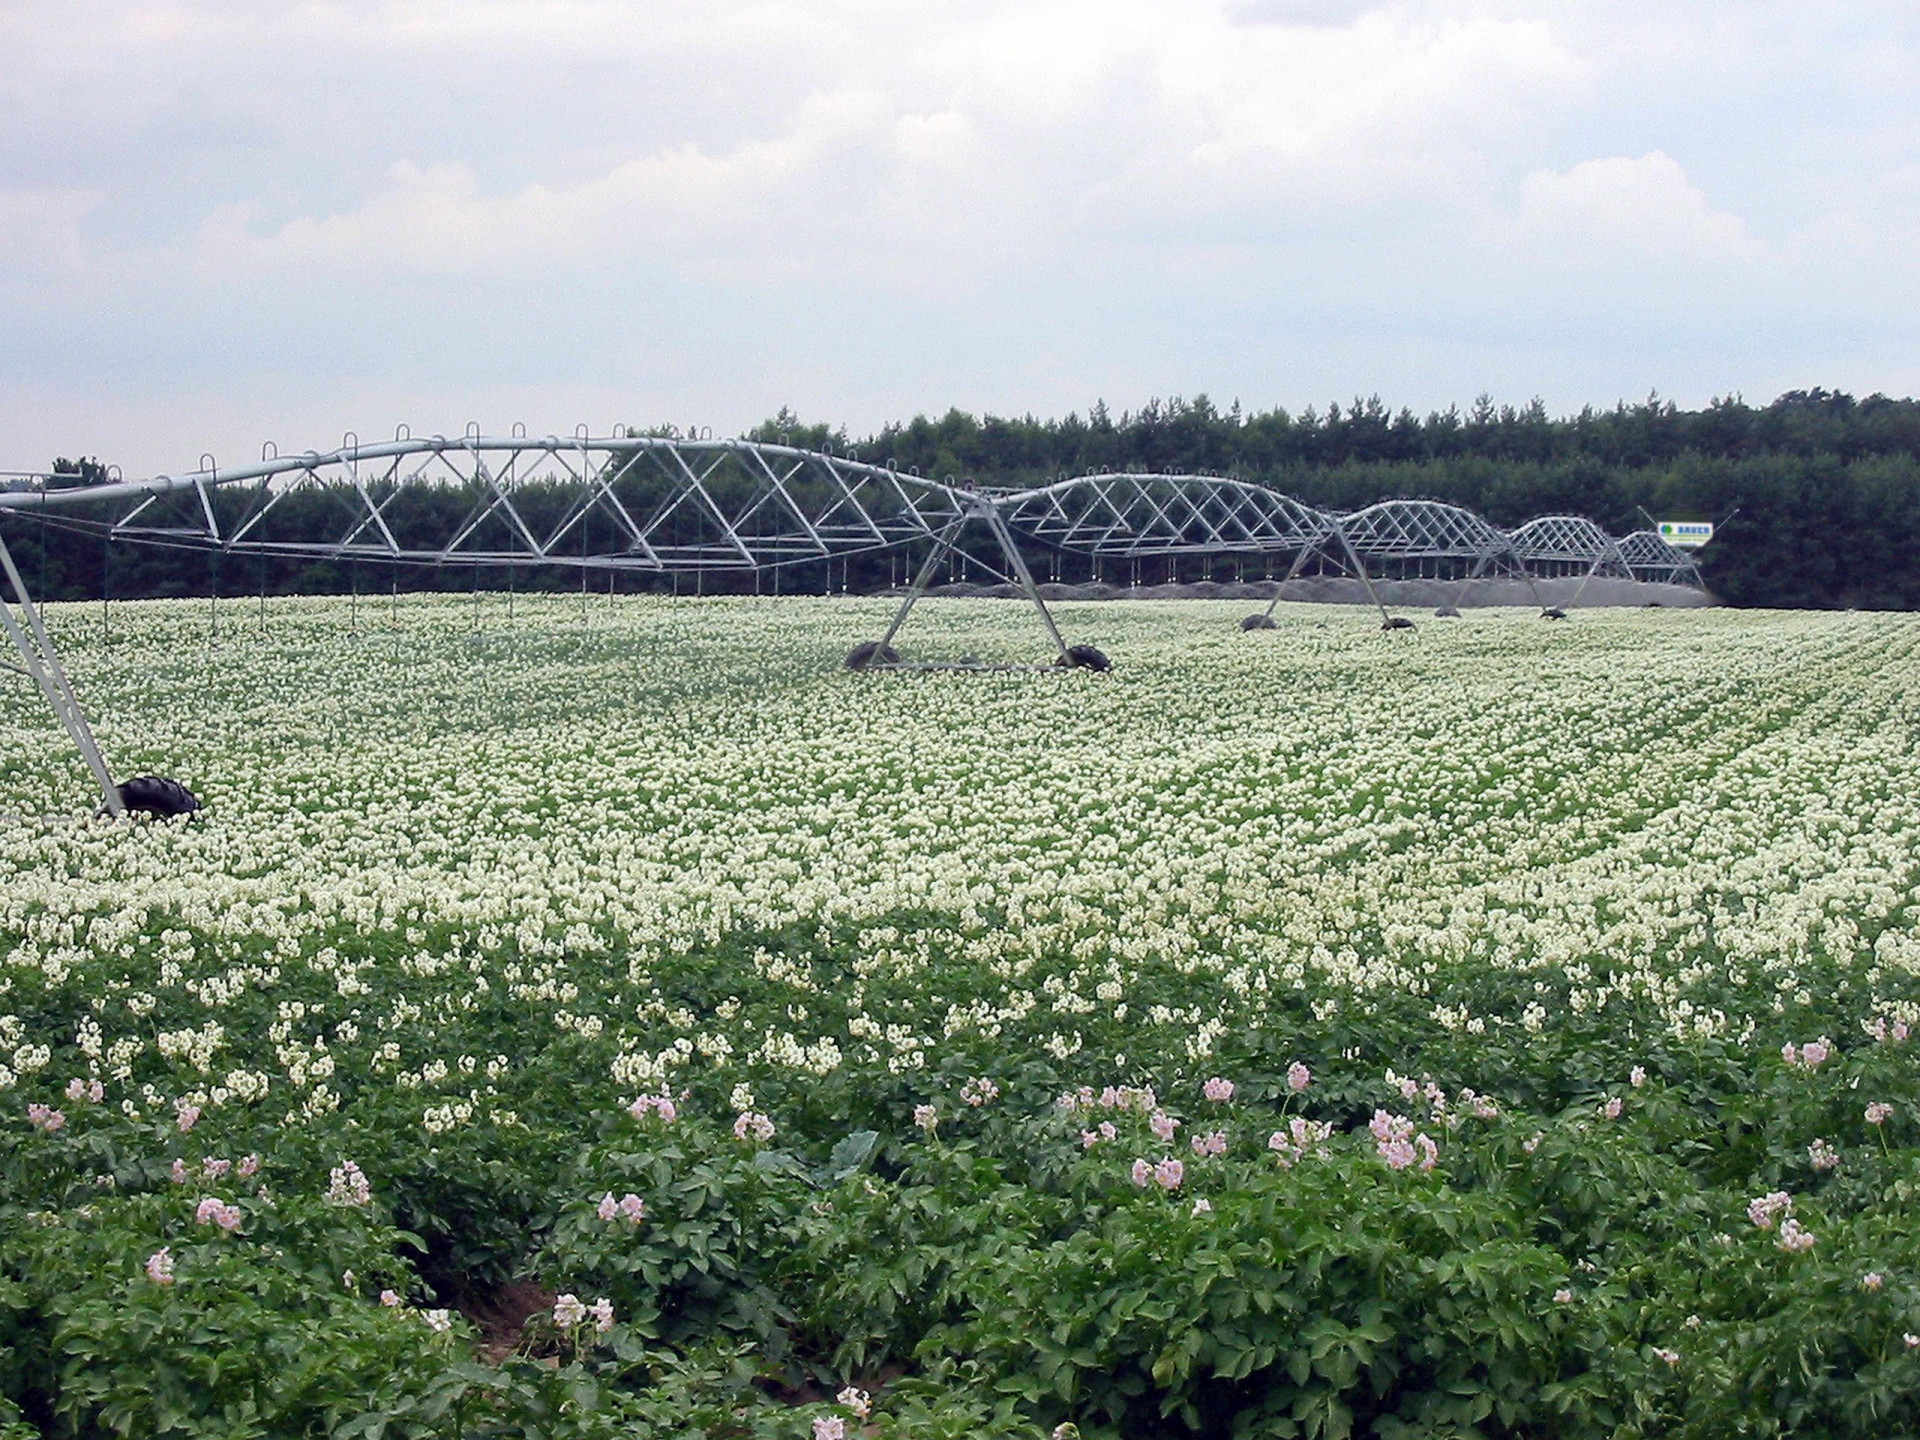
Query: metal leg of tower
1533,585
942,545
1293,570
1017,562
1366,580
42,662
1581,588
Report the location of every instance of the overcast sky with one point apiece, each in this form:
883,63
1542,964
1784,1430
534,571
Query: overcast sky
224,223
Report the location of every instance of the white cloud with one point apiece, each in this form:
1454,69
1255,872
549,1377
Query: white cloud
682,202
1624,211
1005,203
1378,90
40,233
1023,123
1278,130
934,142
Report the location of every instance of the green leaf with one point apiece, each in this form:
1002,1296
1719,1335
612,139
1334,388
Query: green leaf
852,1153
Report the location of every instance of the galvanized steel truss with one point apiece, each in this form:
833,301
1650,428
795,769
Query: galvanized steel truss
1651,558
1571,545
623,502
1132,515
671,504
668,504
1401,532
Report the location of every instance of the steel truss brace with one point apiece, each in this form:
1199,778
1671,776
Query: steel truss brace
41,662
1610,558
1360,569
680,503
943,545
1351,563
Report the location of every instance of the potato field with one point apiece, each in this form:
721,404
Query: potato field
593,1017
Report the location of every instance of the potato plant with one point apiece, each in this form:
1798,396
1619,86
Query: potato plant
614,1018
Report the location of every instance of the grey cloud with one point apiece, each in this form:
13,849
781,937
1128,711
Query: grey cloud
868,209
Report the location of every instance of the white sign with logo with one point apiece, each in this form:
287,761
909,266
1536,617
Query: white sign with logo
1686,534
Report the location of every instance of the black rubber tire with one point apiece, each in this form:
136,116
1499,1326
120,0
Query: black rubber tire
157,796
1397,622
1262,621
865,657
1553,612
1085,657
1447,612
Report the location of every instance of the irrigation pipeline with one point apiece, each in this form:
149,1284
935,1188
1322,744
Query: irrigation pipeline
674,505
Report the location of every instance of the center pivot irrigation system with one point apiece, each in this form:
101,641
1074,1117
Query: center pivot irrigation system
673,504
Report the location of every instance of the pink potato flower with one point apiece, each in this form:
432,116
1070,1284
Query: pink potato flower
1398,1145
979,1090
347,1185
751,1124
629,1207
1793,1237
212,1211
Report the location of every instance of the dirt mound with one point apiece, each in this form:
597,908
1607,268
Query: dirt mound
1410,594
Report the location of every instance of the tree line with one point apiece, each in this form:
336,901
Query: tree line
1817,493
